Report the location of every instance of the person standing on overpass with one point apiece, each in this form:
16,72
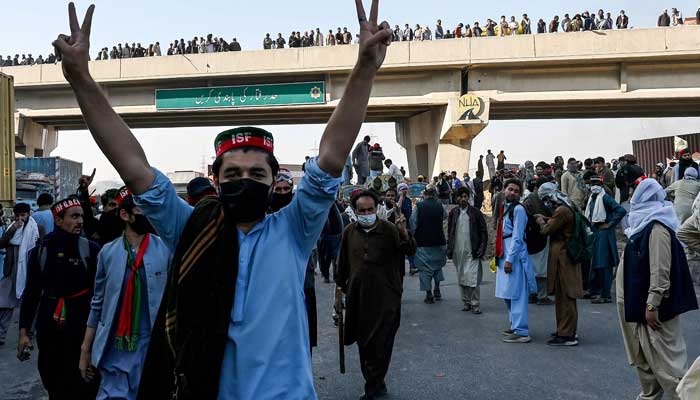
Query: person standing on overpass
360,160
490,164
233,323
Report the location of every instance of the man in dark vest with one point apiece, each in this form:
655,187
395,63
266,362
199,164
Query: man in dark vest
654,288
60,280
431,253
233,322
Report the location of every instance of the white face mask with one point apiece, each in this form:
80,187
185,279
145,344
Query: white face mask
367,221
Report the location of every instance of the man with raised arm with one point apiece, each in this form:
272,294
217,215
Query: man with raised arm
232,324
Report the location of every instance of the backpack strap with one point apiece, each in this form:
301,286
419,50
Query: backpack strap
42,257
84,250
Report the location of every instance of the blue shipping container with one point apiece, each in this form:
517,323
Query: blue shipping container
63,172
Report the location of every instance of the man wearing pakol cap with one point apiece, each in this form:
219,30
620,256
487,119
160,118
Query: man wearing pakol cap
60,280
17,241
131,275
431,253
684,192
604,213
653,288
233,322
515,279
563,274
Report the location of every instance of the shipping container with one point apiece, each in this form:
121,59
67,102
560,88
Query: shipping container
7,140
61,173
649,152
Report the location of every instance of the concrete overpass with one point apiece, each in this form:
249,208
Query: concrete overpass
602,74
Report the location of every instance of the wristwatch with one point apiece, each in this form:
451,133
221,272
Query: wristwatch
651,307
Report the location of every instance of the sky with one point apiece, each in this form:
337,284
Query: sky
29,26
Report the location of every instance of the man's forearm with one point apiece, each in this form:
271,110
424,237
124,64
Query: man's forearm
345,123
113,136
86,347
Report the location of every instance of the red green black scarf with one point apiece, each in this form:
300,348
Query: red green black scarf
127,336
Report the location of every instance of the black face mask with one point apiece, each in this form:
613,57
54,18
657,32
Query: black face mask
280,200
111,225
141,225
245,200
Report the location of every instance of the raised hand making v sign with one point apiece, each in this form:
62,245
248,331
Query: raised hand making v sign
252,342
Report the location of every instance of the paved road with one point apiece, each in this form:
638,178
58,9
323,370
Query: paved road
443,353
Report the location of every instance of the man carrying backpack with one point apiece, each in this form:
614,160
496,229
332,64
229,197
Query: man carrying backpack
515,279
564,273
60,279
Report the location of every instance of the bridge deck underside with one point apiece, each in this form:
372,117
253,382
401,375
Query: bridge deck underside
233,117
499,110
637,108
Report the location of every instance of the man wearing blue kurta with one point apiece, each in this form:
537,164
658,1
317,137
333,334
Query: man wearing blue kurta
232,323
129,284
263,287
515,279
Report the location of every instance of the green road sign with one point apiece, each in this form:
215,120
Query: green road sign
281,94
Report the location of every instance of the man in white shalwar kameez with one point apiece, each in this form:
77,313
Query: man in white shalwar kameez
467,241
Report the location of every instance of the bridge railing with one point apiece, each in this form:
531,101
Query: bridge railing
571,48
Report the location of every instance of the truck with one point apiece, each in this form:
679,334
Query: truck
54,175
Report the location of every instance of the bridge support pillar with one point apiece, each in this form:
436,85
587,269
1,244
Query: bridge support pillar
34,140
438,140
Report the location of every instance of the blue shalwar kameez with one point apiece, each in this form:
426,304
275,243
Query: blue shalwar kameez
121,370
516,286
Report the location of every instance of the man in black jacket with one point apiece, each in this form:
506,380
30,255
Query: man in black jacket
466,246
60,280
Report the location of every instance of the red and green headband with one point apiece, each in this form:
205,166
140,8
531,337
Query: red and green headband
243,137
124,193
64,205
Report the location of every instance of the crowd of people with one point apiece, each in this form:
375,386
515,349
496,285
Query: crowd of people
28,60
310,38
584,21
213,296
210,44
